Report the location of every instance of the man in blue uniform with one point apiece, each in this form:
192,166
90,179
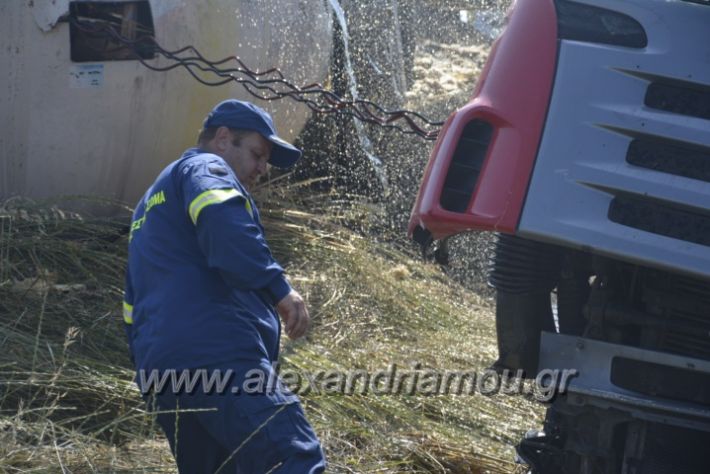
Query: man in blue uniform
203,296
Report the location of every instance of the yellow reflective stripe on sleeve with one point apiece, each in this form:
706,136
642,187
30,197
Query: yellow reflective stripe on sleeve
209,197
250,210
127,313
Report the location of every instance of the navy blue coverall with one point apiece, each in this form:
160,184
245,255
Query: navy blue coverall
201,286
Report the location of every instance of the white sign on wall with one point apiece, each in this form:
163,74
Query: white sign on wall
86,75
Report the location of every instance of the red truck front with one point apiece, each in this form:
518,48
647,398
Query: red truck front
586,146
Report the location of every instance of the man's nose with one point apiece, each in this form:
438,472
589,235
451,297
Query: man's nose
262,168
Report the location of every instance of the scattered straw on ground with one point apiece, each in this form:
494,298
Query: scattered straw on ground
67,397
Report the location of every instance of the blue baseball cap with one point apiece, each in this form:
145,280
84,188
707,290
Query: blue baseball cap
234,113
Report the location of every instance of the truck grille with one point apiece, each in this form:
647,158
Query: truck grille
670,156
686,304
581,22
661,381
661,218
466,165
679,97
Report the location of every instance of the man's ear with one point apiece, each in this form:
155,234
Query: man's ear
222,139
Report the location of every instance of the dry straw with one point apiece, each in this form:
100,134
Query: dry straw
68,404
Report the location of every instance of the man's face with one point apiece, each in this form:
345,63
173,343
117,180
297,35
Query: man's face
248,158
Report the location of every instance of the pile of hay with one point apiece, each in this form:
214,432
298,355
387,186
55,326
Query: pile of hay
67,400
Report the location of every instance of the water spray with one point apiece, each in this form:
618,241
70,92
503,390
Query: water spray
267,85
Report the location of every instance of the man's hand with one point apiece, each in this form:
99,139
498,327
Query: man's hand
294,314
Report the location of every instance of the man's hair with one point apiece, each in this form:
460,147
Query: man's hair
208,133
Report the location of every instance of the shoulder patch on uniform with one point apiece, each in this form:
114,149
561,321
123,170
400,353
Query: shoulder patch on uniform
217,170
